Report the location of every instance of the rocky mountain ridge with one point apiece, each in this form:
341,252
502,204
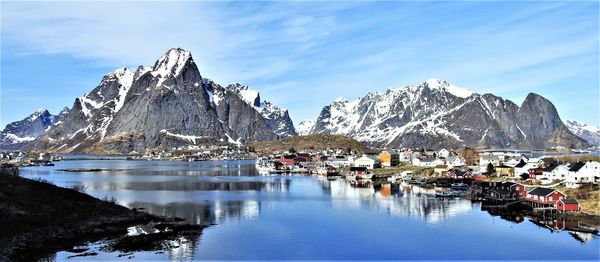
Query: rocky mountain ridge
437,114
163,106
19,133
588,132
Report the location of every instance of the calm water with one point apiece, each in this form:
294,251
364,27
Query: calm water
307,217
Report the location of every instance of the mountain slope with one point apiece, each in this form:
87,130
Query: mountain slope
163,106
303,128
21,132
437,114
590,133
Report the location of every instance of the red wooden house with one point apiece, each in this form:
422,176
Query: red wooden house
287,160
357,170
536,173
516,189
543,197
567,204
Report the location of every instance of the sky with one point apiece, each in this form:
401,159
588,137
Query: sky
303,55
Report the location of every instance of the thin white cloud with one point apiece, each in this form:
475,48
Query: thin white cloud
286,49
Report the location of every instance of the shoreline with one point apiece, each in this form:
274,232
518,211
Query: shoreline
39,218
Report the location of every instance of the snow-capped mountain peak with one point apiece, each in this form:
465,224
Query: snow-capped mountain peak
304,127
437,114
448,87
250,96
171,62
588,132
39,112
125,76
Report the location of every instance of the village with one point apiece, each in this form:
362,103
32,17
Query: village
499,177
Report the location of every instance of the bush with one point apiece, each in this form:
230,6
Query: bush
41,180
81,188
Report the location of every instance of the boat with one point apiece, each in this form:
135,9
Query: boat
459,186
420,182
449,193
364,176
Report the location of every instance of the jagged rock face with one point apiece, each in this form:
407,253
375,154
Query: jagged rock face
239,115
590,133
277,119
163,106
18,133
436,114
170,97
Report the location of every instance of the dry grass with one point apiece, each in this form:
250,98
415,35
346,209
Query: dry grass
588,197
310,142
572,159
393,169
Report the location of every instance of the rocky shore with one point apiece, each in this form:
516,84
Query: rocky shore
38,218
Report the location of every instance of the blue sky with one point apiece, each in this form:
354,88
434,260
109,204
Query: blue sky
303,55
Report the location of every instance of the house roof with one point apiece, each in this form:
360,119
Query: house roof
500,191
490,157
551,167
521,164
576,166
569,201
391,152
541,191
358,168
509,184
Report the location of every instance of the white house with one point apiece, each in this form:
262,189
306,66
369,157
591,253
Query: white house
511,160
583,173
406,156
427,162
455,161
367,161
523,168
443,153
555,171
487,159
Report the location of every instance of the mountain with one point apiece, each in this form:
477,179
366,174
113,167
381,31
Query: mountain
436,114
277,119
166,105
18,133
590,133
303,128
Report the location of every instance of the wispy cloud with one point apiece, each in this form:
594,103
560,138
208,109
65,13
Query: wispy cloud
292,51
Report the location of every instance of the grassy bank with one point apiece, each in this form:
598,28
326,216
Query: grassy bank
310,142
37,218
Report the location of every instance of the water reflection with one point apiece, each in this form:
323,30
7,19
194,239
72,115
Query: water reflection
277,185
207,213
283,212
395,199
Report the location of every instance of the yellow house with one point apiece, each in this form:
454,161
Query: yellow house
389,158
503,170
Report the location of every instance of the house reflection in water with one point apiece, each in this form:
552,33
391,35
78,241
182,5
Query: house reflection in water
396,200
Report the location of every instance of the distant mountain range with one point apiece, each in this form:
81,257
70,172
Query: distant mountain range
20,133
169,104
585,131
437,114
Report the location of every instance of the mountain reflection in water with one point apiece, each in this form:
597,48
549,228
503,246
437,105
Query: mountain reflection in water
311,217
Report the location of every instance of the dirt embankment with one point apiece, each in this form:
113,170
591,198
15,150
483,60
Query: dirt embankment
37,218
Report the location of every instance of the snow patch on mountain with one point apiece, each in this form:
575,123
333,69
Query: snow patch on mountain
588,132
448,87
303,128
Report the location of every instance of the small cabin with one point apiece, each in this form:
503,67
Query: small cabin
358,170
567,204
